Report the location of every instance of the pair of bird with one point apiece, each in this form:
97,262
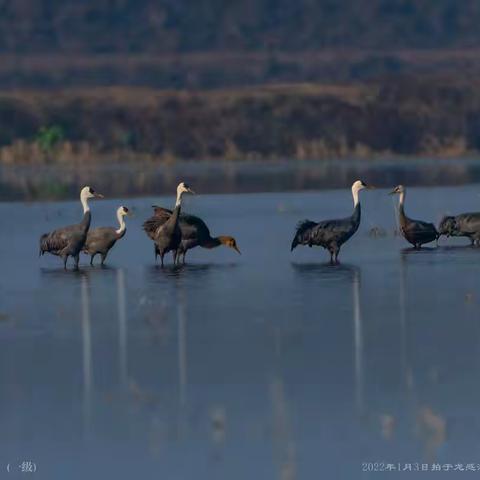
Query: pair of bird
418,232
332,234
71,240
178,232
170,231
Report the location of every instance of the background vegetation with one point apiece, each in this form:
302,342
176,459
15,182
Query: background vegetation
164,80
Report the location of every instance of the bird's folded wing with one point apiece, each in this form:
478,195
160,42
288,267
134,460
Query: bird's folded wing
57,240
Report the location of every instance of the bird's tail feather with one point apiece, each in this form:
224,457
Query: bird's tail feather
302,228
43,244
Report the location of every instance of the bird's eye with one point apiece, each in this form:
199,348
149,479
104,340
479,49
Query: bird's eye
125,209
92,191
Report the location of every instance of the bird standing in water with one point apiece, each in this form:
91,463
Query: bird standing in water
194,232
69,241
167,236
101,239
415,232
462,225
331,234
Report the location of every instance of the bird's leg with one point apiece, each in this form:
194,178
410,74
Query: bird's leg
184,253
77,259
91,259
161,258
65,257
174,255
104,257
336,256
155,249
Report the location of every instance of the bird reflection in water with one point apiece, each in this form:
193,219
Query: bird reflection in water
283,439
430,426
87,361
122,330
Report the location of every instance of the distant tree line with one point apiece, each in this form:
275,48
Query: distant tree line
109,26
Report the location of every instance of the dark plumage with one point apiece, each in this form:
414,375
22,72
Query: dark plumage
330,234
167,235
69,241
194,231
463,225
415,232
100,240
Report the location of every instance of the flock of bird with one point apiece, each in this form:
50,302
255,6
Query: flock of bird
177,232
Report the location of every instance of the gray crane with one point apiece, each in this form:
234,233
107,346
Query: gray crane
167,236
415,232
331,234
69,241
101,239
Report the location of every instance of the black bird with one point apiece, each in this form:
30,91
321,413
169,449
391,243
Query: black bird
69,241
331,234
463,225
101,239
167,236
194,231
415,232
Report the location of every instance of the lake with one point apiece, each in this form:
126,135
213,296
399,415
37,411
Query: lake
266,365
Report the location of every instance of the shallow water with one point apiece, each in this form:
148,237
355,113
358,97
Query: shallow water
266,365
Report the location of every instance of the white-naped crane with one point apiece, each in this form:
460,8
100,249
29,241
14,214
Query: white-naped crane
101,239
331,234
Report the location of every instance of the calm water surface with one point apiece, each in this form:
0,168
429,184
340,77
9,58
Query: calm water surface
268,365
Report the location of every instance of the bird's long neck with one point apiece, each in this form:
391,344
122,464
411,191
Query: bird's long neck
356,200
86,207
178,203
178,207
357,214
214,242
122,227
401,208
87,216
175,214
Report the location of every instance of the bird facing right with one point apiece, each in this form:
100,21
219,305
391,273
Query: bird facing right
331,234
415,232
167,236
101,239
69,241
194,232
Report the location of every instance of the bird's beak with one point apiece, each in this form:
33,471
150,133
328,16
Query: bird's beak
98,195
236,249
393,192
189,190
370,187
